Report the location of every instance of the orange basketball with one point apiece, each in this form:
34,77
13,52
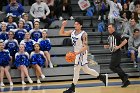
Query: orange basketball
70,57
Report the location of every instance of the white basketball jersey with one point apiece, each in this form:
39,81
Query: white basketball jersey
77,40
81,58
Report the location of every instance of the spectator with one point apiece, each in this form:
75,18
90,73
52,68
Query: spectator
65,7
15,8
11,24
37,60
134,15
45,46
28,43
2,3
102,11
133,44
125,9
3,33
22,62
128,31
115,9
38,10
53,5
137,8
131,6
125,21
28,24
36,32
126,15
20,31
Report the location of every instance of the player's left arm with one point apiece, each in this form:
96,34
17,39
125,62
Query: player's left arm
85,44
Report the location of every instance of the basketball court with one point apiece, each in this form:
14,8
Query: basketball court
83,86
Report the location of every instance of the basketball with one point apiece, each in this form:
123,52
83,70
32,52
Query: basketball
70,57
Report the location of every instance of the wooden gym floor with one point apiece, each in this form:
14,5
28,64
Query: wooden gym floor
84,86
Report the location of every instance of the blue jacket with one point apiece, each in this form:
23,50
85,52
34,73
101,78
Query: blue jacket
17,11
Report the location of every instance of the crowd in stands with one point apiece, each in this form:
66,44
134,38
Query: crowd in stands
26,41
125,15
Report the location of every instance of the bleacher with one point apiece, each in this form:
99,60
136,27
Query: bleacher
63,70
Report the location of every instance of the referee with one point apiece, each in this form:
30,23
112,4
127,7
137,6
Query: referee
115,43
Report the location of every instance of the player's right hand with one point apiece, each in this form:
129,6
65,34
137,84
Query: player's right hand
64,23
106,46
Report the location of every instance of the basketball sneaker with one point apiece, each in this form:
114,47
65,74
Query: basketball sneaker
71,89
104,79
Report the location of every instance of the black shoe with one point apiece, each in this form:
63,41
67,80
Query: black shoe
104,79
71,89
125,84
125,78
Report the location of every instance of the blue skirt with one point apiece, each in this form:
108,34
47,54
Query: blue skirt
21,60
38,59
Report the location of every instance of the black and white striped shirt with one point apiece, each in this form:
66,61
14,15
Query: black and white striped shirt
114,40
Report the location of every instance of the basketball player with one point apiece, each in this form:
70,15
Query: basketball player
115,42
80,44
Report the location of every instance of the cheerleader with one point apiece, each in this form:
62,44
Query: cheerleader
20,31
36,33
37,60
21,61
28,24
11,44
28,43
45,46
4,64
3,33
10,23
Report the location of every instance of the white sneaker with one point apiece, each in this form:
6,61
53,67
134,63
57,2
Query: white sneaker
60,18
106,79
23,83
50,64
99,18
2,84
30,80
71,18
11,83
42,76
104,17
135,66
38,81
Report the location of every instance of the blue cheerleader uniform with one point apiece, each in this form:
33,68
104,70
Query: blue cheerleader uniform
35,35
11,26
12,46
19,34
38,58
28,25
29,45
4,35
45,45
22,59
4,58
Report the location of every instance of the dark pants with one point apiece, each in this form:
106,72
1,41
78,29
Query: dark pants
31,2
3,3
47,22
67,10
115,65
